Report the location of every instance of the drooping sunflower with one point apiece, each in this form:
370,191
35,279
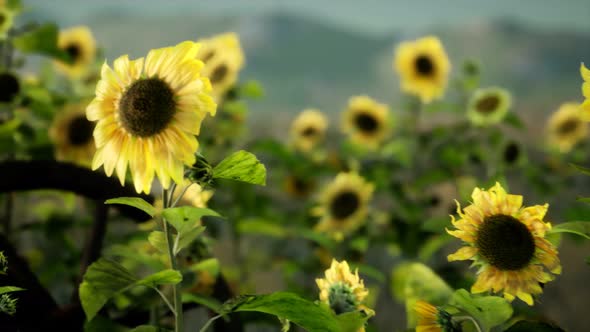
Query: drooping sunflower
342,290
71,133
224,58
585,107
366,121
566,127
148,114
424,68
308,129
433,319
344,204
507,242
78,42
488,106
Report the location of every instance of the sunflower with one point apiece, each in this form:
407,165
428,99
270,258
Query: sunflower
194,195
80,46
224,58
585,107
507,241
71,133
308,129
342,290
439,199
424,68
344,204
298,186
148,115
433,319
567,127
366,121
488,106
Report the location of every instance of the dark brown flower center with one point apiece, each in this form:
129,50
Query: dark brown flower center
9,87
147,107
309,132
487,104
511,152
208,56
74,51
505,243
344,204
568,126
80,130
366,122
218,74
424,65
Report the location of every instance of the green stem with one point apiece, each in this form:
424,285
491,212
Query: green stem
166,301
176,290
460,319
209,322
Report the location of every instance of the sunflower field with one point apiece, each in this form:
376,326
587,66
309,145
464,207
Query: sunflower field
273,173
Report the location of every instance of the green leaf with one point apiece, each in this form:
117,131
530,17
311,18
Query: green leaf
351,321
581,228
166,277
262,227
9,289
136,202
309,315
489,311
185,218
42,40
211,265
513,120
105,278
416,281
209,302
148,328
241,166
9,127
186,238
532,326
251,89
158,240
582,169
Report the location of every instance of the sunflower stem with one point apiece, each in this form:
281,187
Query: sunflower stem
176,290
460,319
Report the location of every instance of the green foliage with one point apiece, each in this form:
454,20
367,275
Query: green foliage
581,228
158,240
251,89
187,222
41,40
8,304
206,301
311,316
418,281
415,281
10,289
105,278
241,166
137,202
488,311
261,227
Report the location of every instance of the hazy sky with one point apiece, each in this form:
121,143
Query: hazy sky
367,16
